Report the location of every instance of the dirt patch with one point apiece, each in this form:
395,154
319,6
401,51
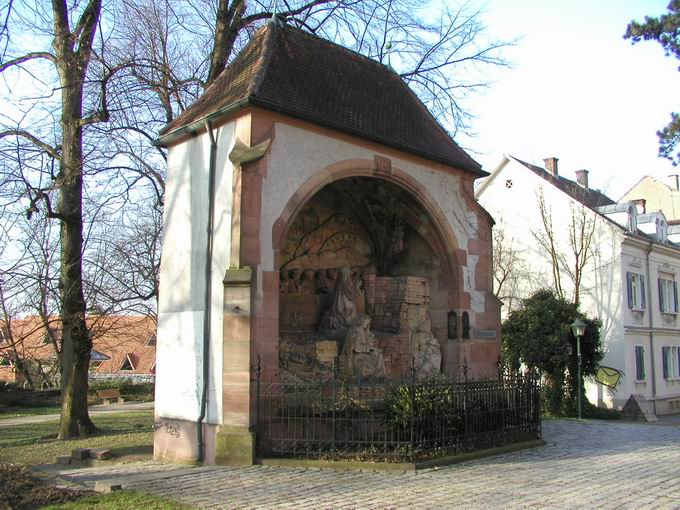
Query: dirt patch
21,490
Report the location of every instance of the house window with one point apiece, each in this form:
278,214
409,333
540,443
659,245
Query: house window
5,362
151,341
94,365
668,295
127,365
636,291
671,362
640,363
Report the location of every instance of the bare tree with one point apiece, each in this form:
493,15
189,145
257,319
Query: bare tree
573,259
547,240
73,28
509,268
29,288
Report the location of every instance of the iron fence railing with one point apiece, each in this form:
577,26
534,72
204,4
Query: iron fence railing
405,420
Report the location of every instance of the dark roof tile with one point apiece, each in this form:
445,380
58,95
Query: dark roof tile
290,71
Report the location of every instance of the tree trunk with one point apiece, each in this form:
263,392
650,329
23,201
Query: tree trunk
76,342
73,52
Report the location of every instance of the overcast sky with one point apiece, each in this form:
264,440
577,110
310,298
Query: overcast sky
577,91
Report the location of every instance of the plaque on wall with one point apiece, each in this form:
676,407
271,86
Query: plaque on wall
485,333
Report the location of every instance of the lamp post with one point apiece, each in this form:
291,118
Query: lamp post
578,328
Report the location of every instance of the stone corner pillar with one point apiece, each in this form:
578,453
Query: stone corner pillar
235,441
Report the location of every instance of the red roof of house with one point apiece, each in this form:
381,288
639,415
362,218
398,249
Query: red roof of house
114,336
287,70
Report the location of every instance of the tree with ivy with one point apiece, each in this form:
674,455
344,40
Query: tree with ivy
666,31
538,336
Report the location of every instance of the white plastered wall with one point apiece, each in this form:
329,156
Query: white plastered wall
298,154
181,305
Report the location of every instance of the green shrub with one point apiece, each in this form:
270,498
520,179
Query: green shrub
435,402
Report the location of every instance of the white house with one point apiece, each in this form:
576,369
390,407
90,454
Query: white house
629,277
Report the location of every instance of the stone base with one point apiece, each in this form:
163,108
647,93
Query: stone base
175,441
235,446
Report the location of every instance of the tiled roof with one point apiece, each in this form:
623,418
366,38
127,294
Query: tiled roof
290,71
113,338
587,196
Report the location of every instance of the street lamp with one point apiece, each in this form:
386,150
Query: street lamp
578,328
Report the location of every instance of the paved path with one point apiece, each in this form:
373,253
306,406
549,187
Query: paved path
94,410
585,465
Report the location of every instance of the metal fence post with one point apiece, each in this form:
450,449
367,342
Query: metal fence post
258,372
333,411
466,410
413,405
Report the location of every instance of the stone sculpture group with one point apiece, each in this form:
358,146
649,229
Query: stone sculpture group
360,357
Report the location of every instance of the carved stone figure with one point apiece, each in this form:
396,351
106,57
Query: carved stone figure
322,283
361,358
283,282
294,281
425,349
345,306
332,275
307,284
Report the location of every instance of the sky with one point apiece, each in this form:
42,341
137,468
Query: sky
577,91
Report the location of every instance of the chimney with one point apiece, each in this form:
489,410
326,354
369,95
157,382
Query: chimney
551,166
582,178
641,205
674,181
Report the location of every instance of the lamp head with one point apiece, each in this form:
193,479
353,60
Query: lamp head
578,328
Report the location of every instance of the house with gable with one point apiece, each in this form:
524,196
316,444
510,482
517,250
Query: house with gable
123,347
651,194
629,281
305,165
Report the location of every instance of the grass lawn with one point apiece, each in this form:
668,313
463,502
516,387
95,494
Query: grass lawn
121,500
129,435
16,411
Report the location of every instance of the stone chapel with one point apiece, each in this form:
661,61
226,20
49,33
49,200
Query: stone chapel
317,220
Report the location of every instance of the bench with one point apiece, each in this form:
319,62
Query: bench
110,395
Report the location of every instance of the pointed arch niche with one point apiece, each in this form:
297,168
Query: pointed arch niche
386,228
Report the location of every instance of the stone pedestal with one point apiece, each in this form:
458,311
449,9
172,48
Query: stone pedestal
234,440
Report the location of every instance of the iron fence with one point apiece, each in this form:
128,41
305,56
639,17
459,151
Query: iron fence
404,420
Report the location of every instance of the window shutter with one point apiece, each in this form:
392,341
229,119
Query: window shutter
639,363
675,296
642,291
629,280
662,305
664,356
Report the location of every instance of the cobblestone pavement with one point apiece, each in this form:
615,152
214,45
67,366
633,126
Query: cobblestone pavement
584,465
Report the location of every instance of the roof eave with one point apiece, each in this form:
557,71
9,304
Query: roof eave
166,139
